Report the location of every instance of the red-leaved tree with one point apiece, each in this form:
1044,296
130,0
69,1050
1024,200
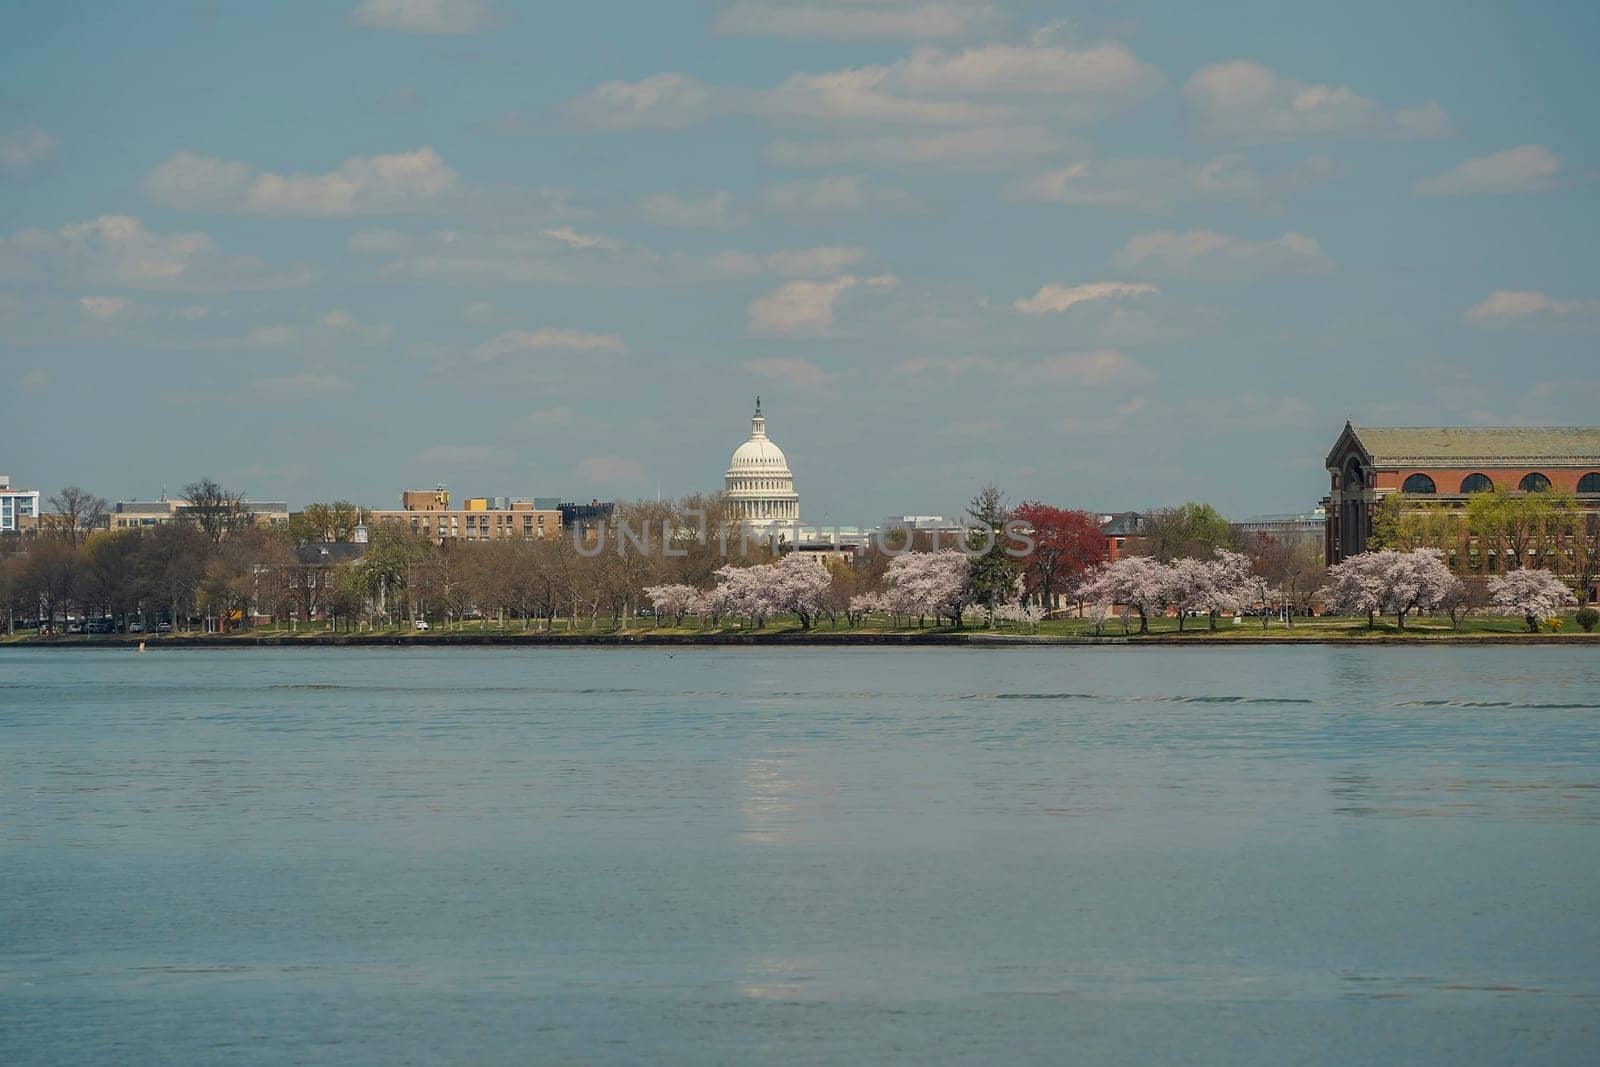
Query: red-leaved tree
1067,542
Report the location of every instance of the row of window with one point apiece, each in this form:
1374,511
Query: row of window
1421,484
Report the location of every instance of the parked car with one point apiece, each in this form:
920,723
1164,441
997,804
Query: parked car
101,626
135,626
75,627
163,627
421,624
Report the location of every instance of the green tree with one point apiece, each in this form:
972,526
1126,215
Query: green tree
1192,531
327,522
992,571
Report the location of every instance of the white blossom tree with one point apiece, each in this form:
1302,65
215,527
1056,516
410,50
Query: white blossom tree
674,600
1139,583
798,584
1391,582
928,583
1533,594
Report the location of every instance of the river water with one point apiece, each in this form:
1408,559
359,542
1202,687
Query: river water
1269,855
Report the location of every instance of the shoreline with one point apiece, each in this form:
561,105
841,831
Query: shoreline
797,638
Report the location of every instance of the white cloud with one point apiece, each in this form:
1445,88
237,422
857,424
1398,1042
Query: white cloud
806,307
103,307
929,87
346,326
788,370
1503,306
574,239
23,150
856,20
978,148
117,250
1251,103
1105,366
1205,255
662,101
841,193
809,262
512,342
424,16
1528,169
478,311
383,184
1160,185
1053,298
714,211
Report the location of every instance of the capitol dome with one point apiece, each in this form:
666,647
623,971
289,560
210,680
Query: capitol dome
758,485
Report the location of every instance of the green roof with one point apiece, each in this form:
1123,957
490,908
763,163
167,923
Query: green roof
1448,446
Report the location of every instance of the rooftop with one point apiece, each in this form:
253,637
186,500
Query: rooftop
1422,446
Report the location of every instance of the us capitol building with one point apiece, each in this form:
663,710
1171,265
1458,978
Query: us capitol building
759,485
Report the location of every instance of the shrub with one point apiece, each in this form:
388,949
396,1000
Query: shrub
1554,625
1587,617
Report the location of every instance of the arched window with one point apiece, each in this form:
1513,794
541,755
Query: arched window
1419,483
1534,483
1589,483
1476,483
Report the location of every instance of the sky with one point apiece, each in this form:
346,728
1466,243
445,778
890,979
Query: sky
1108,255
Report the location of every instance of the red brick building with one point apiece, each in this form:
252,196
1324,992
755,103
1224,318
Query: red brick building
1446,464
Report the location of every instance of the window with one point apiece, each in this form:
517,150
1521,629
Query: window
1589,483
1419,483
1534,483
1352,473
1476,483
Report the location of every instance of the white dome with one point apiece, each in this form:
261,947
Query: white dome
759,486
758,455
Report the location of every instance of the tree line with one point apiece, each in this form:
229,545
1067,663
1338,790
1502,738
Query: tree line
216,568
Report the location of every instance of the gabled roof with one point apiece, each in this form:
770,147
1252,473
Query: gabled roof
329,552
1454,446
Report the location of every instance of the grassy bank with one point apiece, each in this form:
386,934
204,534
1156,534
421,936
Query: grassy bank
1163,631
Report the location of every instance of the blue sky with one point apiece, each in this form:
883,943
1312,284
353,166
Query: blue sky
1106,254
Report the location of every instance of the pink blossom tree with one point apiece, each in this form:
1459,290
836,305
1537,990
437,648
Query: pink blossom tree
1390,582
1533,594
928,583
1137,582
674,600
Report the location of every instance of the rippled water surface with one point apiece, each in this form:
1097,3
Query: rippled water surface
1263,855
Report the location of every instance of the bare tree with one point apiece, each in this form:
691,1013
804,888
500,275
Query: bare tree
79,513
217,511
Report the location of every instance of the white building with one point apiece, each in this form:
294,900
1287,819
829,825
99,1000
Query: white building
759,485
17,504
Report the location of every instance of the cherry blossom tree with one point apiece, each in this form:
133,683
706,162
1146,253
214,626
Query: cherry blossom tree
1229,584
861,605
1023,614
1137,582
1390,582
674,600
928,583
1534,594
1189,584
798,584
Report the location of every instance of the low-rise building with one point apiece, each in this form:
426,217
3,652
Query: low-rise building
142,514
1446,465
429,514
19,508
